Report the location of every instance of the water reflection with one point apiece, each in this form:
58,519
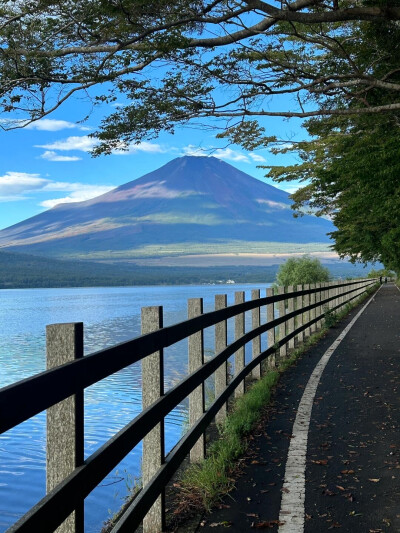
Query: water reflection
110,316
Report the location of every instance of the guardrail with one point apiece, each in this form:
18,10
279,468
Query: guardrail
59,389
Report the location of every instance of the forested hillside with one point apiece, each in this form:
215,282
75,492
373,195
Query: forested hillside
29,271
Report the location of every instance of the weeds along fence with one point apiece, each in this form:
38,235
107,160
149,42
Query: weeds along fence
293,314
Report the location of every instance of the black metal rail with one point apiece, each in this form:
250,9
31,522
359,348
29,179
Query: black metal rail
52,386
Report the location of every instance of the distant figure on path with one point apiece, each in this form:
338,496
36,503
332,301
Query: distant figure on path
380,280
385,280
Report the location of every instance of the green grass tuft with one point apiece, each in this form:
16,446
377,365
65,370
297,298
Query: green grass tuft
204,484
207,481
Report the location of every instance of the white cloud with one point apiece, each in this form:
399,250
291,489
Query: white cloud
48,124
7,199
291,190
230,155
80,194
220,153
86,144
44,124
191,149
271,203
14,183
141,147
83,144
257,157
50,155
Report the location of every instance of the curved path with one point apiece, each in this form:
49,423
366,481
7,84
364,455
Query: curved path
350,455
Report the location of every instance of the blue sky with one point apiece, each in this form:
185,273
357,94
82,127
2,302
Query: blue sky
48,162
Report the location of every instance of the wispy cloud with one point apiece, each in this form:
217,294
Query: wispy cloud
191,149
19,185
83,143
44,124
141,147
48,124
292,189
81,192
257,157
231,155
50,155
13,184
222,153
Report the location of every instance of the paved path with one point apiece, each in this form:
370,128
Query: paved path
352,463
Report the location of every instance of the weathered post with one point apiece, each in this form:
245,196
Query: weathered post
336,300
306,315
239,332
271,331
153,443
65,436
299,306
282,326
196,360
342,296
319,308
291,320
256,344
313,312
221,374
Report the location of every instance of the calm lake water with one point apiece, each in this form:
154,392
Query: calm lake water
110,315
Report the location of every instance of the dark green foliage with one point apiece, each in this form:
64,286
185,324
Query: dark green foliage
296,271
382,272
351,165
29,271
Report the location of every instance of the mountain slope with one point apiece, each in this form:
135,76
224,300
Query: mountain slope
190,205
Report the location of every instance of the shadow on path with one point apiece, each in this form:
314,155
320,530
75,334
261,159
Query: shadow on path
352,468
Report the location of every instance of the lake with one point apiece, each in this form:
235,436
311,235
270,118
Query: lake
110,315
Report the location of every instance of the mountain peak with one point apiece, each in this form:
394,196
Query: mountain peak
193,204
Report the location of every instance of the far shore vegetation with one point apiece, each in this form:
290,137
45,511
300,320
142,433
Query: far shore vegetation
29,271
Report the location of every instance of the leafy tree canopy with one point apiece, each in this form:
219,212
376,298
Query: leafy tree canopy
296,271
183,59
382,272
351,169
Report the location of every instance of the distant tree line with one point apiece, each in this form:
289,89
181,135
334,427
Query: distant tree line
28,271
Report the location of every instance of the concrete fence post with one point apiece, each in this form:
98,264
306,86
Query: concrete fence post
341,291
239,332
345,296
321,304
196,360
153,443
318,309
221,374
282,326
306,315
65,436
337,298
256,343
313,312
271,363
299,318
291,320
329,293
342,298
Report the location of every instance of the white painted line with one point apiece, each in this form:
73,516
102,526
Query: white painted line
292,511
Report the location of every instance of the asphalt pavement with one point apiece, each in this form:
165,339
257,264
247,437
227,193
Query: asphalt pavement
352,472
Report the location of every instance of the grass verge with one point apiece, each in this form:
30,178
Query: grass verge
203,485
